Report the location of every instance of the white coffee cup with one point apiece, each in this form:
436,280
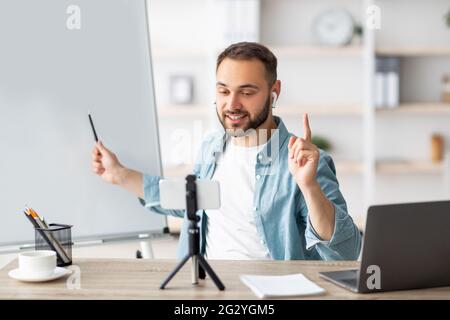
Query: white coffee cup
37,264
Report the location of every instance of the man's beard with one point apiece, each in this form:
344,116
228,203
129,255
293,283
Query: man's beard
253,124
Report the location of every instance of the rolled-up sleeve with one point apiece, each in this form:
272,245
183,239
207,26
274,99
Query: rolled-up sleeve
151,199
345,243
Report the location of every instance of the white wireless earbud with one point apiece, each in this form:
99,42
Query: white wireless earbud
275,97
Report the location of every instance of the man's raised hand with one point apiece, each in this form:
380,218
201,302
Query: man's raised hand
303,157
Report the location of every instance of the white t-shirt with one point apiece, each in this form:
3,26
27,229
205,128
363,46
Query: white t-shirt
231,230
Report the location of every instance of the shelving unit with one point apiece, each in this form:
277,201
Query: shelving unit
418,46
419,108
418,51
409,167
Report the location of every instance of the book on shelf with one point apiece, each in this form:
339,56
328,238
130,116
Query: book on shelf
387,82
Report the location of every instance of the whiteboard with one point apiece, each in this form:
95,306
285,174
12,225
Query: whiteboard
53,70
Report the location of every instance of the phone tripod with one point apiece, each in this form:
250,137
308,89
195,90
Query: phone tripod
199,264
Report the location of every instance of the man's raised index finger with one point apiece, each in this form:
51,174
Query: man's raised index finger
306,129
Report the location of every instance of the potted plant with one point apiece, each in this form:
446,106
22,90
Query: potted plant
321,143
357,34
447,18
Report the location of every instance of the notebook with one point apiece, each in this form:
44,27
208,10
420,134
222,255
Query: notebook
281,286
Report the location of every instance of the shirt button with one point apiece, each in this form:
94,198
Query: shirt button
262,241
258,177
269,159
255,209
260,157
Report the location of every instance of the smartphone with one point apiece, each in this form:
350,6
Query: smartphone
172,194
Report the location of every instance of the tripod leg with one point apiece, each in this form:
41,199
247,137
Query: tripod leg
204,264
174,271
201,272
194,271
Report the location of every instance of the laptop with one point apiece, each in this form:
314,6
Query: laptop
406,246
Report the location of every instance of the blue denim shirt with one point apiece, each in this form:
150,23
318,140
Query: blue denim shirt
280,210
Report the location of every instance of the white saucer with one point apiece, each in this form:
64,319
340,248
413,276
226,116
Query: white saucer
57,273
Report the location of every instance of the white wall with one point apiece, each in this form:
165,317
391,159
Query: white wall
413,22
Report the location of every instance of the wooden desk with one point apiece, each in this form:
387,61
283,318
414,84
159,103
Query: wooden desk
140,279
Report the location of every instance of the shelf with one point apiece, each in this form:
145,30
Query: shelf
408,167
413,51
438,108
183,111
321,51
319,109
349,167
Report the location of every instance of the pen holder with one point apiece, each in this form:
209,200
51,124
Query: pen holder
58,237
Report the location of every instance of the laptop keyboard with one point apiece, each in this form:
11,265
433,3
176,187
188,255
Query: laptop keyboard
353,282
346,278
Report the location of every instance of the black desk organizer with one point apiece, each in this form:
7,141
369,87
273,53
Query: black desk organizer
58,237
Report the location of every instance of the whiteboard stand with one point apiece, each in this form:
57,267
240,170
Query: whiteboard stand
146,251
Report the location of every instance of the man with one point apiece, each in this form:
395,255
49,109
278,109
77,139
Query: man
283,206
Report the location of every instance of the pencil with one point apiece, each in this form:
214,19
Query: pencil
36,215
30,212
93,128
29,217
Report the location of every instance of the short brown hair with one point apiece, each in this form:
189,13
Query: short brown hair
249,51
